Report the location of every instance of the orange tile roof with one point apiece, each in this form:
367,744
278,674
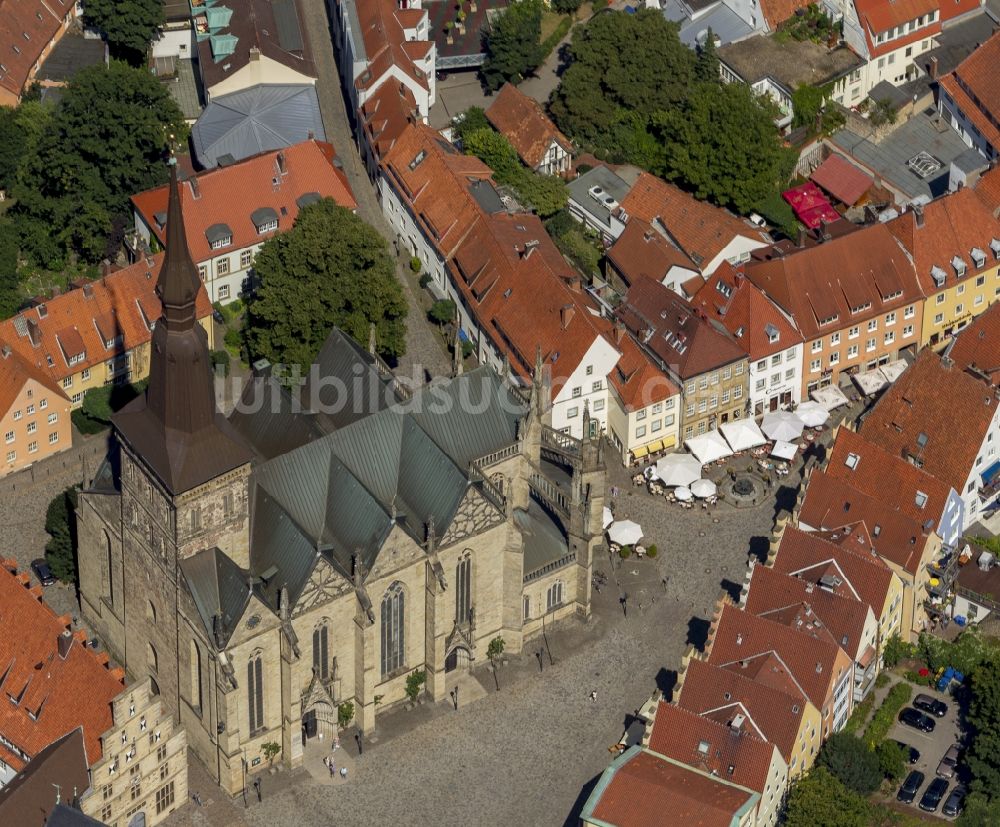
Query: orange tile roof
719,693
15,371
888,477
740,306
67,325
811,555
810,656
521,120
771,592
978,345
697,343
642,252
701,230
975,88
228,195
644,787
830,502
988,189
383,27
737,754
385,116
943,406
866,270
26,29
882,15
953,225
777,12
55,694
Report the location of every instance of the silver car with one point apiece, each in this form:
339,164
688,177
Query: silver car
946,769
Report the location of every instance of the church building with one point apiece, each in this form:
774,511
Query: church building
324,542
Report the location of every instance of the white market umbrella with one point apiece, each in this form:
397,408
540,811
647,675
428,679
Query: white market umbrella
812,414
683,494
625,532
782,426
708,447
702,489
742,434
784,450
609,518
678,469
830,397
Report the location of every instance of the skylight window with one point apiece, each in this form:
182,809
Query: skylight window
921,499
852,461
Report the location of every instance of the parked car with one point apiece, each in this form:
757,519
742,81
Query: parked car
933,794
910,786
42,571
955,803
219,318
917,720
912,754
946,769
932,706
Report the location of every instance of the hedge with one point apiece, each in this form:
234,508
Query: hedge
558,33
885,717
859,715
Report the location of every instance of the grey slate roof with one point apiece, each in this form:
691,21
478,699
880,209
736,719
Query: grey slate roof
255,120
218,587
544,541
269,421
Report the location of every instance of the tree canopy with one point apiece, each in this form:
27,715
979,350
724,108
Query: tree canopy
820,800
60,524
984,717
512,44
106,140
127,25
10,285
851,762
330,269
472,119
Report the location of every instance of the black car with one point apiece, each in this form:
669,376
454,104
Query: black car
910,786
917,720
953,806
219,318
932,706
912,754
933,794
42,572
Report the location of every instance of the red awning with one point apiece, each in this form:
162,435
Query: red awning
810,205
842,180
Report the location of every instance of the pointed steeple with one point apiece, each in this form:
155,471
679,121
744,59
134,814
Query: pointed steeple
179,282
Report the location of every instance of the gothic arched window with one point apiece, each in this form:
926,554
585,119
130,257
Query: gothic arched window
393,616
321,650
255,692
463,590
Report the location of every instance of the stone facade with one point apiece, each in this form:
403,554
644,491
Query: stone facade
143,768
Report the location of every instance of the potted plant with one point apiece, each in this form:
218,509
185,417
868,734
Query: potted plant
448,25
270,750
460,19
414,684
345,714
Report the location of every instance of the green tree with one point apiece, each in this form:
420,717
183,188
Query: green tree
706,66
127,25
979,812
721,144
566,6
345,714
60,524
107,140
622,68
892,760
807,101
983,757
10,286
472,119
895,650
494,150
330,269
545,194
415,684
493,652
512,44
442,312
820,800
851,762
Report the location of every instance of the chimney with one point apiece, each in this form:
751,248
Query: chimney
738,279
566,315
282,165
932,69
619,332
65,643
193,183
254,53
918,212
34,335
529,247
88,291
310,135
5,352
801,240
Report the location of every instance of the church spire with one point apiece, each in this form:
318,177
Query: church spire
179,282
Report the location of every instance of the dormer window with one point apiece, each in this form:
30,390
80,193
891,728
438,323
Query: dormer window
978,257
772,333
995,248
219,236
938,275
265,220
959,264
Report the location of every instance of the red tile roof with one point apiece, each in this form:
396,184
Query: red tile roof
975,88
942,406
26,29
953,226
385,116
54,694
950,9
988,189
866,270
642,252
696,344
228,195
978,345
808,654
879,16
701,230
771,593
830,502
67,325
383,27
775,713
845,554
887,477
644,787
842,180
742,308
15,372
736,754
521,120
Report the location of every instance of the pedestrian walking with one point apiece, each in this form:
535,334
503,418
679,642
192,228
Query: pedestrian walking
333,768
343,773
593,695
326,761
256,786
